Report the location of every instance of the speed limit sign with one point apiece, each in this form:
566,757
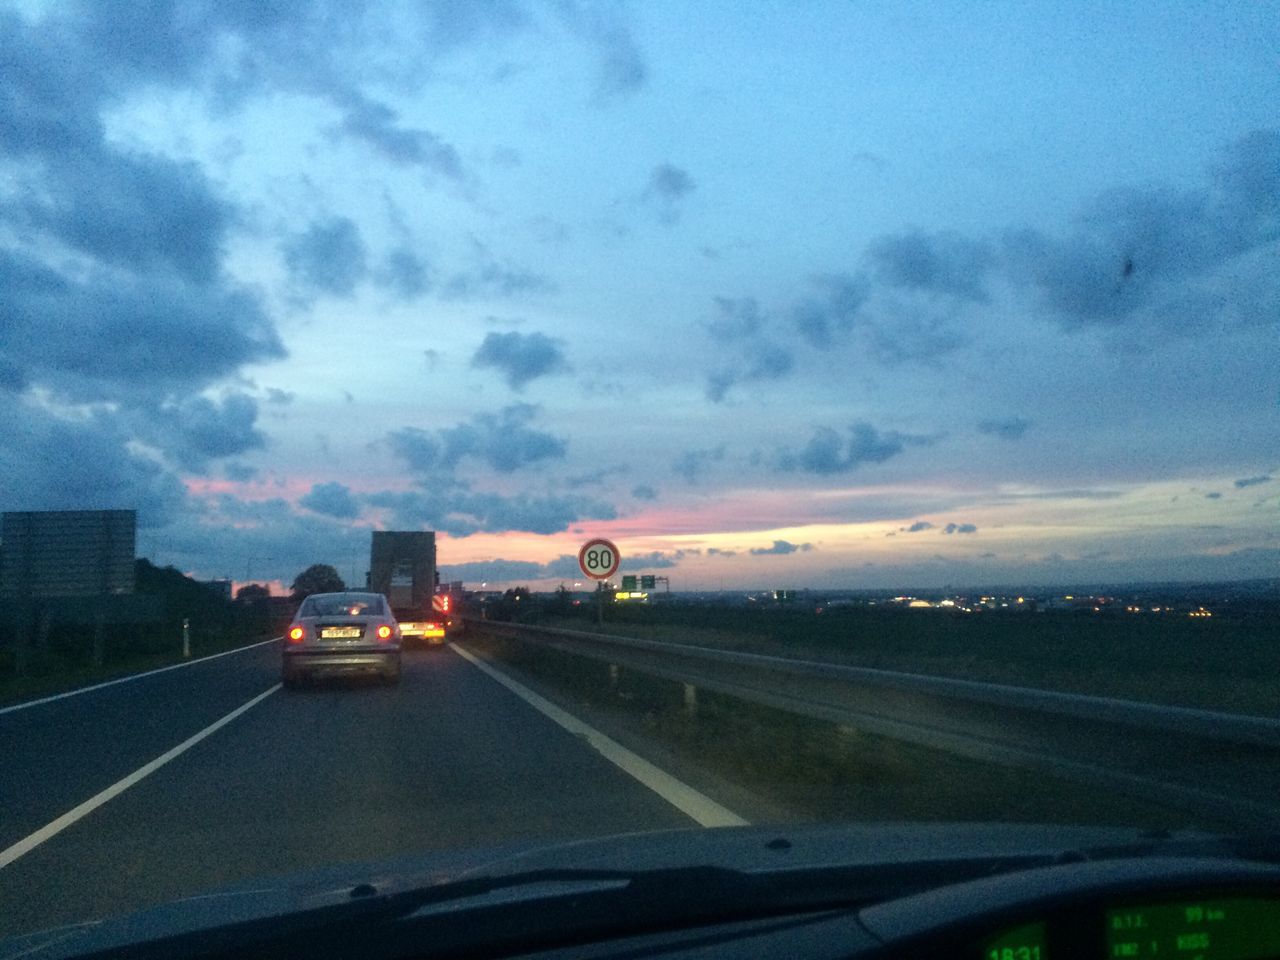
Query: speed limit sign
598,559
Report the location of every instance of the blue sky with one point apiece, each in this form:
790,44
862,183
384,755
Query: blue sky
832,294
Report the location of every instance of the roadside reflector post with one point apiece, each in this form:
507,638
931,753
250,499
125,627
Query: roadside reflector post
186,638
613,676
691,701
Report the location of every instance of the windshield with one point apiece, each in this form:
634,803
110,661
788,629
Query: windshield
854,412
341,604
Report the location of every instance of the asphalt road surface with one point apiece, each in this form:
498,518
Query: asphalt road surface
347,772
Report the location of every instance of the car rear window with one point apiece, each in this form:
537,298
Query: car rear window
339,605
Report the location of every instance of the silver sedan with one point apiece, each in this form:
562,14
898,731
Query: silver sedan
342,633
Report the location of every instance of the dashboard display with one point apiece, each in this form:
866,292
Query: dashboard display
1231,928
1021,943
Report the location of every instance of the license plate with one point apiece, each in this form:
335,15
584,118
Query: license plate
341,633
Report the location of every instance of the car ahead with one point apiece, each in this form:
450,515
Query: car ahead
341,633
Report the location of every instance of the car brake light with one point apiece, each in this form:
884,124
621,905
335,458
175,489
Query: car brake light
296,634
384,632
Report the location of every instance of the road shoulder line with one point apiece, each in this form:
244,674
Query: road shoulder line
132,676
692,803
53,828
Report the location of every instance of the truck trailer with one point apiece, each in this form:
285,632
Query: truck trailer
402,566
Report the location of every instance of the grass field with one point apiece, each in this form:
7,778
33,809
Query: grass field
51,672
816,771
1219,663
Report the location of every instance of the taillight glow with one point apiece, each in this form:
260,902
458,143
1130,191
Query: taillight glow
296,634
384,632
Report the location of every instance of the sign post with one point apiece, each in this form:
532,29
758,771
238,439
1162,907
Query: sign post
599,560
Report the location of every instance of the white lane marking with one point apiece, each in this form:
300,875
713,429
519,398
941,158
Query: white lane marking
698,806
29,843
133,676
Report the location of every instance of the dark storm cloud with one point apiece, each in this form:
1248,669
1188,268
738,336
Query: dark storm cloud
1252,481
781,548
1009,428
521,357
48,463
404,274
378,125
959,528
107,333
692,463
942,263
833,311
828,451
505,442
331,499
328,257
460,512
1141,250
196,430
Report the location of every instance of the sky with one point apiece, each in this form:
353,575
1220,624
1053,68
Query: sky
835,295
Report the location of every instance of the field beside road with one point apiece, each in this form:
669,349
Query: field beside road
1222,663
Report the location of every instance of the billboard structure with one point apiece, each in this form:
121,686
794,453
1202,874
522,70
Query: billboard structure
67,553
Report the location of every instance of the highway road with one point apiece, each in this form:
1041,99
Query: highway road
210,774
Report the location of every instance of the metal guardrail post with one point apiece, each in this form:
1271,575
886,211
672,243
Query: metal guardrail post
186,638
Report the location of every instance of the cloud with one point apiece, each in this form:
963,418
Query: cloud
655,560
490,277
761,361
93,463
781,548
459,512
159,334
496,571
1252,481
404,274
239,472
331,499
692,463
717,552
196,430
280,397
735,318
595,478
644,492
504,442
940,263
916,527
835,309
621,69
667,186
1009,428
959,528
1213,495
378,125
328,257
829,452
521,357
1140,252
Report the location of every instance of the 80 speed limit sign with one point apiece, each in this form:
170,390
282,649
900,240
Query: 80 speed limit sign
599,559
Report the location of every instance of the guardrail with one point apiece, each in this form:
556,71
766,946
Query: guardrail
1225,766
